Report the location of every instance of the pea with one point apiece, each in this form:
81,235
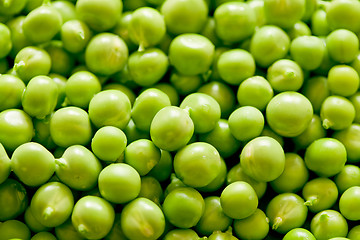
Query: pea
151,189
66,10
347,205
5,40
222,235
218,181
169,90
75,35
12,7
337,18
61,61
285,75
43,236
320,194
93,217
327,224
209,31
319,23
354,233
299,29
343,80
133,133
299,233
121,87
256,226
185,16
67,231
345,40
11,90
316,90
178,234
61,83
14,229
13,199
33,224
348,177
162,170
348,137
70,126
183,207
185,84
52,204
286,211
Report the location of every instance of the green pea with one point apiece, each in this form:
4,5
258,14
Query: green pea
342,45
67,231
214,75
99,15
43,236
70,126
267,131
354,233
52,204
11,91
286,211
13,199
61,83
299,29
12,7
289,113
175,183
348,137
31,62
75,35
151,189
343,14
209,31
185,16
320,194
327,224
121,87
142,219
347,203
191,53
218,235
146,27
343,80
33,224
319,23
5,40
284,13
42,23
234,21
93,217
337,113
183,207
133,133
61,61
298,234
272,40
256,226
106,53
66,10
170,91
185,84
235,66
171,128
14,229
258,7
348,177
122,29
218,181
110,108
179,234
316,90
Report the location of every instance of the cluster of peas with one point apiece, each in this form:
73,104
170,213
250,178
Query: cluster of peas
127,119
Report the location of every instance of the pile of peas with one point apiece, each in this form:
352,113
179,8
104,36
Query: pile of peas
179,119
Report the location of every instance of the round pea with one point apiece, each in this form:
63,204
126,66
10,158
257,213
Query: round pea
327,224
67,231
163,169
316,90
13,199
343,14
179,234
14,229
354,233
299,233
185,84
75,35
343,80
283,13
347,203
151,189
12,7
17,35
342,45
348,177
43,236
11,91
256,226
349,137
5,40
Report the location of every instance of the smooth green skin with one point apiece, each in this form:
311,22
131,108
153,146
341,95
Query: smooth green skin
33,164
222,93
308,51
163,169
343,14
348,177
169,90
218,235
294,176
151,189
255,91
239,193
142,219
42,24
222,139
119,183
316,90
11,90
61,61
204,111
122,29
289,113
75,35
171,128
30,62
133,133
106,54
246,123
284,13
13,199
33,224
40,97
185,84
93,217
52,204
349,137
320,194
313,132
214,75
319,23
299,234
146,27
285,75
343,80
213,218
234,21
12,7
70,126
191,53
184,16
78,168
5,164
256,226
142,155
67,231
209,32
43,236
268,44
342,45
14,229
327,224
218,181
108,143
354,233
146,105
99,15
148,67
66,10
355,100
183,207
118,86
267,131
259,155
286,211
175,182
197,164
299,29
110,108
5,40
179,234
61,83
235,66
337,113
347,203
